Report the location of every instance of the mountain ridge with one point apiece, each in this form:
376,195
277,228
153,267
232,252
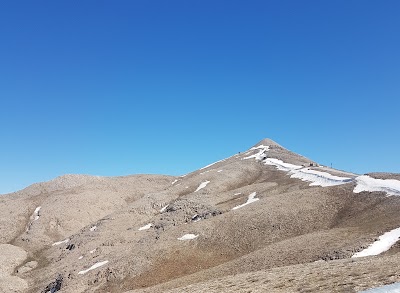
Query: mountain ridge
250,213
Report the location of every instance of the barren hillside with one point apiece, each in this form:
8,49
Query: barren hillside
263,220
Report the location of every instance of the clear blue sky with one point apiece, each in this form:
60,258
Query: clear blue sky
126,87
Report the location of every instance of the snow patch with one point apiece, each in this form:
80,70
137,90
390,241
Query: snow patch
80,257
202,185
35,216
93,251
392,288
317,178
164,208
95,266
176,180
261,153
36,213
93,228
219,171
282,166
238,193
188,237
250,200
367,183
145,227
212,164
383,244
196,218
61,242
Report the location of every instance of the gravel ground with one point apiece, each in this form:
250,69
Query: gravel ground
292,238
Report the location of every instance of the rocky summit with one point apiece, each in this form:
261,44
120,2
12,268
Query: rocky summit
262,220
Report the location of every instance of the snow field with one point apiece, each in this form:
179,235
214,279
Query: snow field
383,244
367,183
317,178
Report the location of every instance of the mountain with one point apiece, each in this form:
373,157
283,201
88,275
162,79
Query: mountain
263,220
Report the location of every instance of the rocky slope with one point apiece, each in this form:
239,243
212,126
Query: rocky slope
266,219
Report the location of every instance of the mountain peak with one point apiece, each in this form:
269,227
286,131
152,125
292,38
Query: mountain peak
277,151
267,142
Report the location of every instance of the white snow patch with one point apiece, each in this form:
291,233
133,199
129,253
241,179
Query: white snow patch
280,165
36,213
93,251
37,210
93,228
61,242
317,178
80,257
250,200
202,185
392,288
261,153
367,183
196,218
145,227
219,171
261,146
188,237
383,244
212,164
95,266
238,193
164,208
176,180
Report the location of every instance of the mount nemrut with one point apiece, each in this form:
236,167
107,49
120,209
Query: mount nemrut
263,220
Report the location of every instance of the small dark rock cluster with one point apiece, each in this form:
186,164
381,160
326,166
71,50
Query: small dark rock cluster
70,246
334,255
54,286
183,211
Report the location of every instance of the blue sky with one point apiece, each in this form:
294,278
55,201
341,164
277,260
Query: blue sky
126,87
